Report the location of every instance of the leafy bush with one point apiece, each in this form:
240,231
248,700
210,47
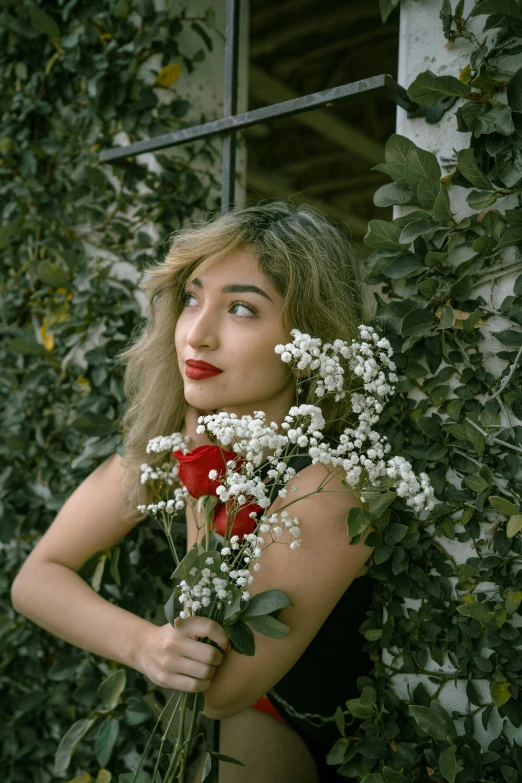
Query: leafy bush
446,617
77,78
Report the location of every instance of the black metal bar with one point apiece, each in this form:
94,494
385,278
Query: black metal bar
228,174
383,83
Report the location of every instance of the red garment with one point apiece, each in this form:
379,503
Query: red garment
265,705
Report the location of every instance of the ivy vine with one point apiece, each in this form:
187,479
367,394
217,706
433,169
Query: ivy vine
447,609
73,238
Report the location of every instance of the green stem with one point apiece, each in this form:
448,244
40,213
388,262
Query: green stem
193,698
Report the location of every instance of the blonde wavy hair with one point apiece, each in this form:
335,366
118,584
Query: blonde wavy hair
309,262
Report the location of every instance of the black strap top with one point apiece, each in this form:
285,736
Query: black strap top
325,675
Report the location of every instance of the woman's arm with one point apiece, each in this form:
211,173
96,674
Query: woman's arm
314,576
49,591
47,588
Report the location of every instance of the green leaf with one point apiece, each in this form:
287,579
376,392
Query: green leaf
511,236
475,483
98,573
416,229
514,525
448,763
382,553
69,742
228,759
447,317
402,266
378,505
269,626
394,532
427,191
514,91
360,710
396,151
137,711
373,634
357,521
442,207
428,720
53,273
91,423
242,638
469,168
494,119
428,89
477,611
416,323
392,776
480,199
267,602
386,7
43,23
392,193
512,600
499,692
502,505
111,688
182,570
383,235
504,7
419,165
105,740
24,346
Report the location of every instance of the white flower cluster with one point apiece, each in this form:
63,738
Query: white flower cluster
361,450
210,582
174,442
367,359
176,503
276,524
165,472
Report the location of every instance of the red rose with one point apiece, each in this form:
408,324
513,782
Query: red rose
243,524
195,466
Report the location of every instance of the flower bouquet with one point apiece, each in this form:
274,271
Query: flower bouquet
230,501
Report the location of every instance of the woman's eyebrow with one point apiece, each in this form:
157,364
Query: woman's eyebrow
235,288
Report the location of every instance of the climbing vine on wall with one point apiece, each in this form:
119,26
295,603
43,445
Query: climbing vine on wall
73,239
442,620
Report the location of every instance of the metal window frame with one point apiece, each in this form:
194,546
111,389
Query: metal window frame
227,127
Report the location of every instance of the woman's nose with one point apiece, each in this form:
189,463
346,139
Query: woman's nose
203,332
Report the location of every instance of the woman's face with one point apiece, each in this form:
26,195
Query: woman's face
236,331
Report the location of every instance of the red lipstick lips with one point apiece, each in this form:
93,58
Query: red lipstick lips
198,371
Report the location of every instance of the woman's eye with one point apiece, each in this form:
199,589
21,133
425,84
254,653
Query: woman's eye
234,305
245,307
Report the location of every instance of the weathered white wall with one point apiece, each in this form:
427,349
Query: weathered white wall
422,47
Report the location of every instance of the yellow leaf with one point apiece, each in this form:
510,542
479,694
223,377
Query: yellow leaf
499,692
83,381
468,599
168,75
465,74
514,524
512,600
103,776
460,316
85,778
47,338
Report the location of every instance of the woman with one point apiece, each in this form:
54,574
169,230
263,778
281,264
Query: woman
226,294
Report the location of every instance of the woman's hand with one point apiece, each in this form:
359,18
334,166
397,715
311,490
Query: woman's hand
175,658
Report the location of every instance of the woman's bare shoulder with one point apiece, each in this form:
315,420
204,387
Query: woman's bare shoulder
92,519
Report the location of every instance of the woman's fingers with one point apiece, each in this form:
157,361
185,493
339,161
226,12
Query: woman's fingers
201,627
196,669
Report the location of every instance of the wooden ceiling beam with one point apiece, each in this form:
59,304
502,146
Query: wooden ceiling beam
285,66
300,27
268,90
270,185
